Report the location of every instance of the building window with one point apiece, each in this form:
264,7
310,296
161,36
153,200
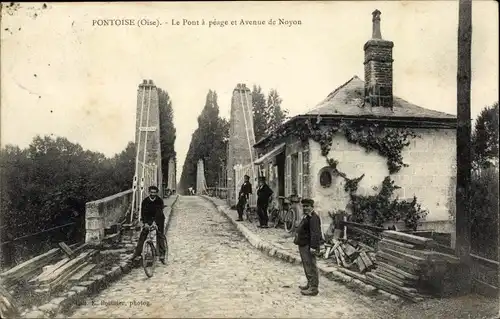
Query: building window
325,177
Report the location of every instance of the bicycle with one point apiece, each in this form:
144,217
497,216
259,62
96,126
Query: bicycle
291,214
149,254
249,213
276,214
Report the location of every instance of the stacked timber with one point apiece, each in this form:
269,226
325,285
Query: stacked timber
350,254
29,268
402,261
57,275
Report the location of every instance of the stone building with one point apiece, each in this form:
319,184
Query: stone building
295,164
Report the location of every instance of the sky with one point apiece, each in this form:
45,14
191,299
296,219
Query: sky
64,76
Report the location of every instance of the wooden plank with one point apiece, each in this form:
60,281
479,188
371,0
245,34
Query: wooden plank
344,262
405,289
365,232
84,271
367,261
349,250
383,284
337,257
67,266
327,252
366,247
409,238
22,270
63,277
49,270
361,265
391,277
413,259
398,262
398,243
414,252
397,272
66,249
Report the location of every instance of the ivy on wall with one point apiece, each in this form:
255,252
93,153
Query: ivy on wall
389,143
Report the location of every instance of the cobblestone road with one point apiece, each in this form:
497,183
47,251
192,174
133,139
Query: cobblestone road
213,272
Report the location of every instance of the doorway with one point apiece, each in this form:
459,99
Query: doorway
280,162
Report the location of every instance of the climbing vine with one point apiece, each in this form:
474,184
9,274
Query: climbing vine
389,143
380,208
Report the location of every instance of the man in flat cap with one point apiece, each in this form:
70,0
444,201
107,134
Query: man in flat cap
309,239
243,197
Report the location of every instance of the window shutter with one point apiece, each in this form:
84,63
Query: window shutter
300,174
305,173
288,180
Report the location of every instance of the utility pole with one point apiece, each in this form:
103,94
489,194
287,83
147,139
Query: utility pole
464,166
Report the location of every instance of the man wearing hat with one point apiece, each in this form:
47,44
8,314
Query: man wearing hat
309,240
264,193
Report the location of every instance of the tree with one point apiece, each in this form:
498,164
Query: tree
276,115
260,115
167,131
485,138
48,183
207,143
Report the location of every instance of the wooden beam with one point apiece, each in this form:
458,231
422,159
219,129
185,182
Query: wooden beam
66,249
463,154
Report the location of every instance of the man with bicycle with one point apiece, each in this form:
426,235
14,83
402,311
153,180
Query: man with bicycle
245,191
152,211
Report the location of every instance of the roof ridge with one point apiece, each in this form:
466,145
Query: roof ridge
333,93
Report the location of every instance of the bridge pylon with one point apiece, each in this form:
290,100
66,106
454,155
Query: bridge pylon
147,141
241,153
201,184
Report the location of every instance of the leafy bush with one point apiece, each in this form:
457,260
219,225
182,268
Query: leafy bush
48,183
484,213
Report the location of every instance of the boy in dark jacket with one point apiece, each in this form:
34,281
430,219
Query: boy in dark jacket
309,239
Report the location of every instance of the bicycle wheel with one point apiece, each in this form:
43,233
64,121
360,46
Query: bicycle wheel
290,220
148,258
275,217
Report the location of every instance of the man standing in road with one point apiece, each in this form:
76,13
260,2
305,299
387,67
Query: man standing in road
152,211
264,193
245,191
309,240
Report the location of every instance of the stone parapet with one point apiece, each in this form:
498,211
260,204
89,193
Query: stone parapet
104,213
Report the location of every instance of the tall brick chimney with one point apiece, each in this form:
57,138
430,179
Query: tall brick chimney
378,67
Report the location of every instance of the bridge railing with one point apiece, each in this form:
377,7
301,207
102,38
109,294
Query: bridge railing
105,213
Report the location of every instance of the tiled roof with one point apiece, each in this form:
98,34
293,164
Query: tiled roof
347,100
